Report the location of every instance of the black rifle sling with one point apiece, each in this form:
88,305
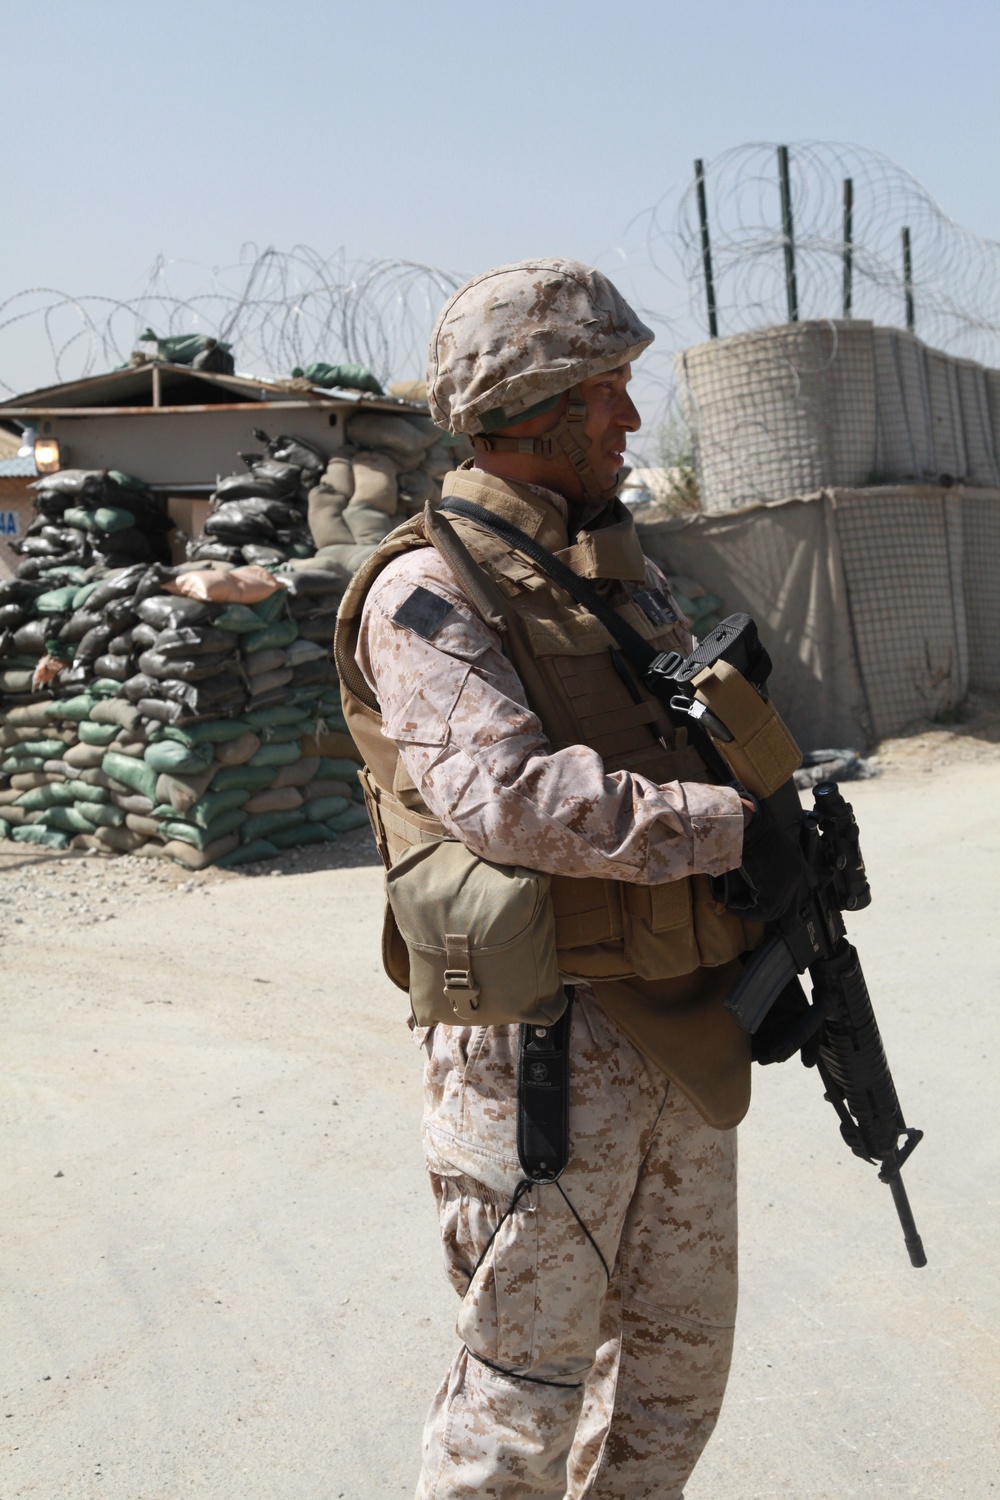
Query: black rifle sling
543,1098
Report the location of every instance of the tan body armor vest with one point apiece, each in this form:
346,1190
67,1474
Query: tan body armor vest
605,929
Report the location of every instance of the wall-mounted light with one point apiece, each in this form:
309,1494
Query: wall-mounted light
48,455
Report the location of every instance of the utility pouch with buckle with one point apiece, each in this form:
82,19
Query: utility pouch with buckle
480,938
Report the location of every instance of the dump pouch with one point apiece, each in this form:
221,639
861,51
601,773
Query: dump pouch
762,754
480,938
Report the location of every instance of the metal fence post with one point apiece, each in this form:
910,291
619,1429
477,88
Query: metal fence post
908,280
848,244
706,248
787,230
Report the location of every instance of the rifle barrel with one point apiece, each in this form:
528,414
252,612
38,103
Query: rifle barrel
914,1244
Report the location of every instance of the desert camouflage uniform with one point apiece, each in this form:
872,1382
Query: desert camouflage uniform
567,1383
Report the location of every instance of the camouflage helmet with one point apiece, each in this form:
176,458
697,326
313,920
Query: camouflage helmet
512,340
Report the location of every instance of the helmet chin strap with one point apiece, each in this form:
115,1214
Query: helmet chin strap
566,438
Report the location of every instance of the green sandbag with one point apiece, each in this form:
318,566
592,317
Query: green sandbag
174,759
77,517
74,710
338,769
353,377
306,833
58,601
113,518
281,633
267,610
239,618
214,804
84,792
283,734
101,815
131,772
265,825
105,687
322,809
56,794
11,765
264,718
68,820
37,833
208,732
248,854
189,833
277,755
242,778
84,592
97,734
47,749
345,822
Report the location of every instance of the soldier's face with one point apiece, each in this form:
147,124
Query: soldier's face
611,416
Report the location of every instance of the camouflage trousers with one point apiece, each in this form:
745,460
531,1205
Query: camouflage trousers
569,1384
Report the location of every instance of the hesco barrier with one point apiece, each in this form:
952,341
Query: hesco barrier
880,607
788,410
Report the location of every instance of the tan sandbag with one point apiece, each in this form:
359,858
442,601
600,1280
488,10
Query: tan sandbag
247,585
135,748
34,714
326,517
328,787
258,662
374,484
17,816
200,859
344,561
416,489
183,792
268,682
405,437
26,781
84,756
237,752
9,796
299,773
116,711
121,840
275,799
409,390
320,563
148,827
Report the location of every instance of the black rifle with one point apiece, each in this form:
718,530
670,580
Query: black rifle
840,1025
838,1031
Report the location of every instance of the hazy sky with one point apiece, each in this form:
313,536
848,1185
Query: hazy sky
461,134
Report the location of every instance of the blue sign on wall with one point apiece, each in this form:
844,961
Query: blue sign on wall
9,523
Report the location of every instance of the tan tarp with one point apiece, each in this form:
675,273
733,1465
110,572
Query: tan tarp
878,606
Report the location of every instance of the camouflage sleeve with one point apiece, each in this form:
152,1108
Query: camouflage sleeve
456,709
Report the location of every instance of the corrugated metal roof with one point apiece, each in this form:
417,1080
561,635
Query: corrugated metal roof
134,386
18,468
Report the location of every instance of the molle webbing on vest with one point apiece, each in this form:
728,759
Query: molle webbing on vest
564,659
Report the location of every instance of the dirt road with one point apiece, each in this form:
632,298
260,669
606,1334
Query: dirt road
220,1268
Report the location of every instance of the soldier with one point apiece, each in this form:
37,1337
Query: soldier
597,1311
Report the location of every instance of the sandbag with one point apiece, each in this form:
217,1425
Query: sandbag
120,585
266,825
170,611
368,524
410,437
248,585
53,794
278,635
178,760
375,486
37,833
112,518
296,773
142,824
239,619
303,833
266,661
262,556
72,709
276,755
182,792
116,711
208,732
200,859
132,805
188,641
139,686
274,799
119,668
31,638
237,752
190,833
328,786
94,643
326,515
132,773
208,809
269,482
248,854
346,822
246,778
268,683
190,669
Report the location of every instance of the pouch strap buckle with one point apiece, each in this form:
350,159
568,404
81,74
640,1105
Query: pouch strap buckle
460,989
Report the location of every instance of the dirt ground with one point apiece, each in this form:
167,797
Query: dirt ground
219,1263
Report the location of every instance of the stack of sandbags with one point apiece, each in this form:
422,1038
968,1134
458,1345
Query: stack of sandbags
260,516
392,465
225,744
91,518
